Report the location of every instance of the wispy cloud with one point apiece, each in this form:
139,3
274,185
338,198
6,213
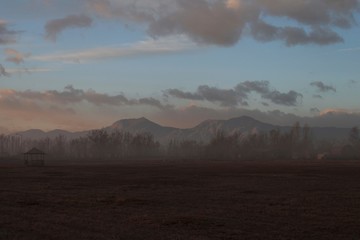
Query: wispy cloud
356,49
322,87
353,82
54,27
29,70
7,36
318,96
147,47
337,111
3,72
15,56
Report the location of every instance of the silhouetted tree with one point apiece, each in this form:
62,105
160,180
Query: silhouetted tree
354,140
307,146
224,146
354,137
59,146
295,140
324,146
286,143
191,149
99,140
117,144
3,143
79,147
173,149
143,144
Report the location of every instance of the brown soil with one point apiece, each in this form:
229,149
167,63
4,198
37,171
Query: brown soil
202,200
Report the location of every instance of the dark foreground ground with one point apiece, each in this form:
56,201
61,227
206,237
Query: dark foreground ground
216,200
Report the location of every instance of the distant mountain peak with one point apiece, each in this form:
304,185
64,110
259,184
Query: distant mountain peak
244,119
131,121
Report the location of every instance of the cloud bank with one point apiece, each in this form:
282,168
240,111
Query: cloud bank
238,95
224,22
69,108
70,96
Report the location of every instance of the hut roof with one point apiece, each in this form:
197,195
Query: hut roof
34,151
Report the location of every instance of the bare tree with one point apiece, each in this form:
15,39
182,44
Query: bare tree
224,146
59,146
99,139
354,136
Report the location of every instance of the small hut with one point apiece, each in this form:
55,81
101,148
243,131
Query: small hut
34,158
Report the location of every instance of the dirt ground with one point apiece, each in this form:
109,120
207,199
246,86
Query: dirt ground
168,200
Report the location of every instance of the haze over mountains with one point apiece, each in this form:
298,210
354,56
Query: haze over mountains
202,132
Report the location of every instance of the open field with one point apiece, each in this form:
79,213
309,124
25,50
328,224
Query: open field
202,200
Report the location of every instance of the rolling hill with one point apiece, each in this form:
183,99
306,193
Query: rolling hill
202,132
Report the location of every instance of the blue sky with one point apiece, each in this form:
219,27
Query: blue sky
178,62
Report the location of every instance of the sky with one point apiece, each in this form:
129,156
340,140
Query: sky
84,64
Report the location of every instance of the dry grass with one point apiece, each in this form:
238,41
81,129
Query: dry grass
203,200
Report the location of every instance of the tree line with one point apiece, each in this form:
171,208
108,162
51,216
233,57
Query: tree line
298,143
97,144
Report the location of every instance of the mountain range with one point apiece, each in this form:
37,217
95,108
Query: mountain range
202,132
